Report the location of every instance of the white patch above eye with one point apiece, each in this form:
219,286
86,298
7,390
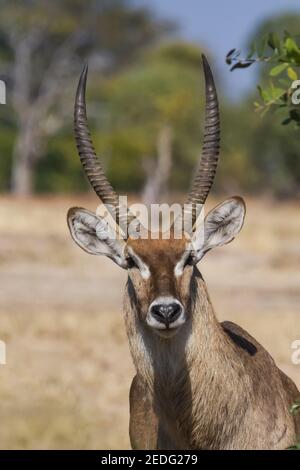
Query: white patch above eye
179,267
178,270
144,269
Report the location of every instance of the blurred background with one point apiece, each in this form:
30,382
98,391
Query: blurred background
68,371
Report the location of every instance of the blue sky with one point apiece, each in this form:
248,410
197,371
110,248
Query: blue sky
220,26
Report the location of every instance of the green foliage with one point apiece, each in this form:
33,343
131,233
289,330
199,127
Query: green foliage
61,170
55,38
273,148
282,54
6,145
142,89
180,53
295,409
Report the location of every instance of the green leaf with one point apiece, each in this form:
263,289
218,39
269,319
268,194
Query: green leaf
291,45
277,93
292,50
274,41
292,74
241,65
278,69
272,94
229,56
230,53
264,94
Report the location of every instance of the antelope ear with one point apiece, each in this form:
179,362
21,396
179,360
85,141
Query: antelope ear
94,235
221,225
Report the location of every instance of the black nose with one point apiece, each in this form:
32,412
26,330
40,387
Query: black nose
166,313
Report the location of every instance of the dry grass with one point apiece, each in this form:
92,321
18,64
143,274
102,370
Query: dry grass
68,368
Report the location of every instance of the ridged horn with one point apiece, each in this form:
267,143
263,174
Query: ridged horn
211,145
88,157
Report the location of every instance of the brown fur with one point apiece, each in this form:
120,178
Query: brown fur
211,386
199,384
161,256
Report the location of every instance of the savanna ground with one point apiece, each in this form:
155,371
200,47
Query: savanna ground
68,371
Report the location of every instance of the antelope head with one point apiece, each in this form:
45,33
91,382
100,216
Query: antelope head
160,270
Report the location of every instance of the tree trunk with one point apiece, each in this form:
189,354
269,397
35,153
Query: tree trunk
22,178
158,174
23,165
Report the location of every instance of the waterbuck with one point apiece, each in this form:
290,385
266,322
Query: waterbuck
199,384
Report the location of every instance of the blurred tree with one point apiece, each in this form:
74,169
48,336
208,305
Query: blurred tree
275,149
152,121
283,59
42,45
276,44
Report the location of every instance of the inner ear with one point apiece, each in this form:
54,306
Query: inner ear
221,225
95,236
224,222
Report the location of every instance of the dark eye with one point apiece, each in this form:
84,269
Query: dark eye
190,259
131,263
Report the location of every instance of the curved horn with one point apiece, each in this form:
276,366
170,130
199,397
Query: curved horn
210,151
87,154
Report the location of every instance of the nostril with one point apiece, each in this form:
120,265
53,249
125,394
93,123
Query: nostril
174,311
166,313
158,312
